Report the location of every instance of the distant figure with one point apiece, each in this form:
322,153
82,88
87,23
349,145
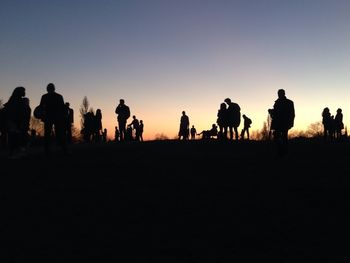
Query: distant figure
52,104
246,125
97,129
184,126
123,112
104,135
89,126
327,122
338,124
116,134
70,121
193,132
136,126
222,121
208,134
283,120
233,117
141,130
17,115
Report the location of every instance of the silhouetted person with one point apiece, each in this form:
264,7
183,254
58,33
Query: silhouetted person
25,124
141,130
222,121
283,120
104,135
338,124
193,132
97,129
184,126
17,113
89,126
327,122
246,125
123,113
136,126
208,134
52,104
70,121
233,117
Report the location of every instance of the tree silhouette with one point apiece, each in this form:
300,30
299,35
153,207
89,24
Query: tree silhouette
84,108
315,129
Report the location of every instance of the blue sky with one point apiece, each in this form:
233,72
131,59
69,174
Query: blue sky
166,56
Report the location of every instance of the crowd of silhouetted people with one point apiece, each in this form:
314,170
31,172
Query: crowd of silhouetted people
58,119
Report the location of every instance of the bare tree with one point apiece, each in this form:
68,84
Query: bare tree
315,129
84,108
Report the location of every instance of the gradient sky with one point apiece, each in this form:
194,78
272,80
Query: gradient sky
165,56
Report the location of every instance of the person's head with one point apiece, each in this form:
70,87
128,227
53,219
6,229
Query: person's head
19,92
223,106
281,93
183,112
228,100
244,116
141,121
339,110
133,116
50,88
121,101
67,104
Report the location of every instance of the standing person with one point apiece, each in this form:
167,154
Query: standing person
338,124
246,125
327,123
233,117
97,132
222,121
193,132
70,121
123,112
283,118
17,113
55,117
136,126
184,126
141,130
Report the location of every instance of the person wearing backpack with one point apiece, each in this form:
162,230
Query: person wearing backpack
246,125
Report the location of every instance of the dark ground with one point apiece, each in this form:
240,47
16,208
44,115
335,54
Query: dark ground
173,201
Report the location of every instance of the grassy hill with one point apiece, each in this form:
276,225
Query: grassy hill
175,201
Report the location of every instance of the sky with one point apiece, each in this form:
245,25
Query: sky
166,56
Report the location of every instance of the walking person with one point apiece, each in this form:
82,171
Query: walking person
246,125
